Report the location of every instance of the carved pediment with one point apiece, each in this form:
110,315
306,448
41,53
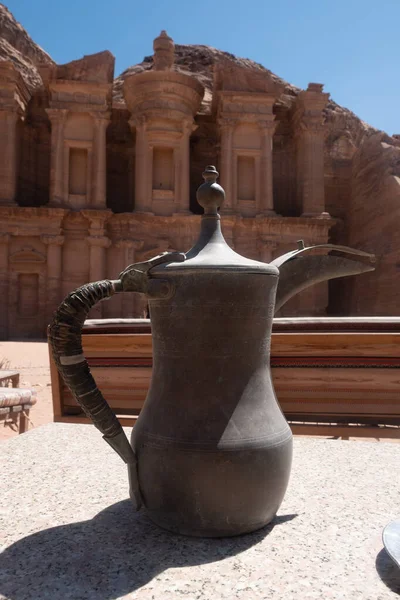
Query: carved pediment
27,255
231,77
13,94
96,68
244,90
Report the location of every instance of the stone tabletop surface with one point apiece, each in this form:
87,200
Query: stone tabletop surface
68,530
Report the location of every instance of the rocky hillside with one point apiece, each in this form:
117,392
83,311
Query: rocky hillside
18,47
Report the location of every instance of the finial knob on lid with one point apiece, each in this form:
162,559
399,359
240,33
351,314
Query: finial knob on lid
210,195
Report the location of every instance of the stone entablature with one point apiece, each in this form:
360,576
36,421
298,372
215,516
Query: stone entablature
45,253
80,96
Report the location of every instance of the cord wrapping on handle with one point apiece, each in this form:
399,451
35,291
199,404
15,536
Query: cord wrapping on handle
66,343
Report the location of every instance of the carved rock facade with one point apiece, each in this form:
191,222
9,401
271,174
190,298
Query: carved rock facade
97,173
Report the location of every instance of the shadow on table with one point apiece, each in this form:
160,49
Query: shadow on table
388,571
115,553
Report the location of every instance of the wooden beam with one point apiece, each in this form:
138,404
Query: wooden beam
336,344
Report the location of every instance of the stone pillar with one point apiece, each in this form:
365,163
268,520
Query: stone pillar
54,273
226,160
8,157
97,266
184,184
4,284
266,249
265,204
311,166
178,184
309,133
57,174
142,166
128,249
313,301
99,170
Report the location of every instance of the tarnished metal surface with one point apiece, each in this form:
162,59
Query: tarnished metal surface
298,272
212,446
391,540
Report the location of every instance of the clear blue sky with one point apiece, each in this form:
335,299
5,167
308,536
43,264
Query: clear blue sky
352,46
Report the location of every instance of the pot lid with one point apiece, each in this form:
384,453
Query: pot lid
211,252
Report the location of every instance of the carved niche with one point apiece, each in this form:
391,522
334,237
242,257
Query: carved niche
27,254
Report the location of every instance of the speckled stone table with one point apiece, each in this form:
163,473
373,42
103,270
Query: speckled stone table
69,532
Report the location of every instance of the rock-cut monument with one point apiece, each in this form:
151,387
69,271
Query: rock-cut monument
97,173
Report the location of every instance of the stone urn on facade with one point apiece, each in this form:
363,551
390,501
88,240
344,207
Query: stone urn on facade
211,452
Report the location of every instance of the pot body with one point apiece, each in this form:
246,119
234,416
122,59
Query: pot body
213,447
211,451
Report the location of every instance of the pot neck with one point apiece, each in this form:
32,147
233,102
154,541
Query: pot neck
210,234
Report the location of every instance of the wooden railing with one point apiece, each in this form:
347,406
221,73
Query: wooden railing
336,377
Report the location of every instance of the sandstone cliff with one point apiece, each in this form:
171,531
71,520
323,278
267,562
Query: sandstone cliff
16,45
373,224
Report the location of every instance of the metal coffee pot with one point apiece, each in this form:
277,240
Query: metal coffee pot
211,452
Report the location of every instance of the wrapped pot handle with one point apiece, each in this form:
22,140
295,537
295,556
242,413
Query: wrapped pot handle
65,339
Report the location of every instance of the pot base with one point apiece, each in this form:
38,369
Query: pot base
234,531
213,494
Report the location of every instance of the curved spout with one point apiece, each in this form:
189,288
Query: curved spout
298,272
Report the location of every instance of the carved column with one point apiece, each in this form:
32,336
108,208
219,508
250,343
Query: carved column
8,157
142,166
309,133
57,174
266,249
266,199
4,284
97,266
178,184
184,192
310,146
54,272
226,128
128,249
99,161
313,301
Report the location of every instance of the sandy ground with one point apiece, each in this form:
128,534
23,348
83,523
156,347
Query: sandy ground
31,359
